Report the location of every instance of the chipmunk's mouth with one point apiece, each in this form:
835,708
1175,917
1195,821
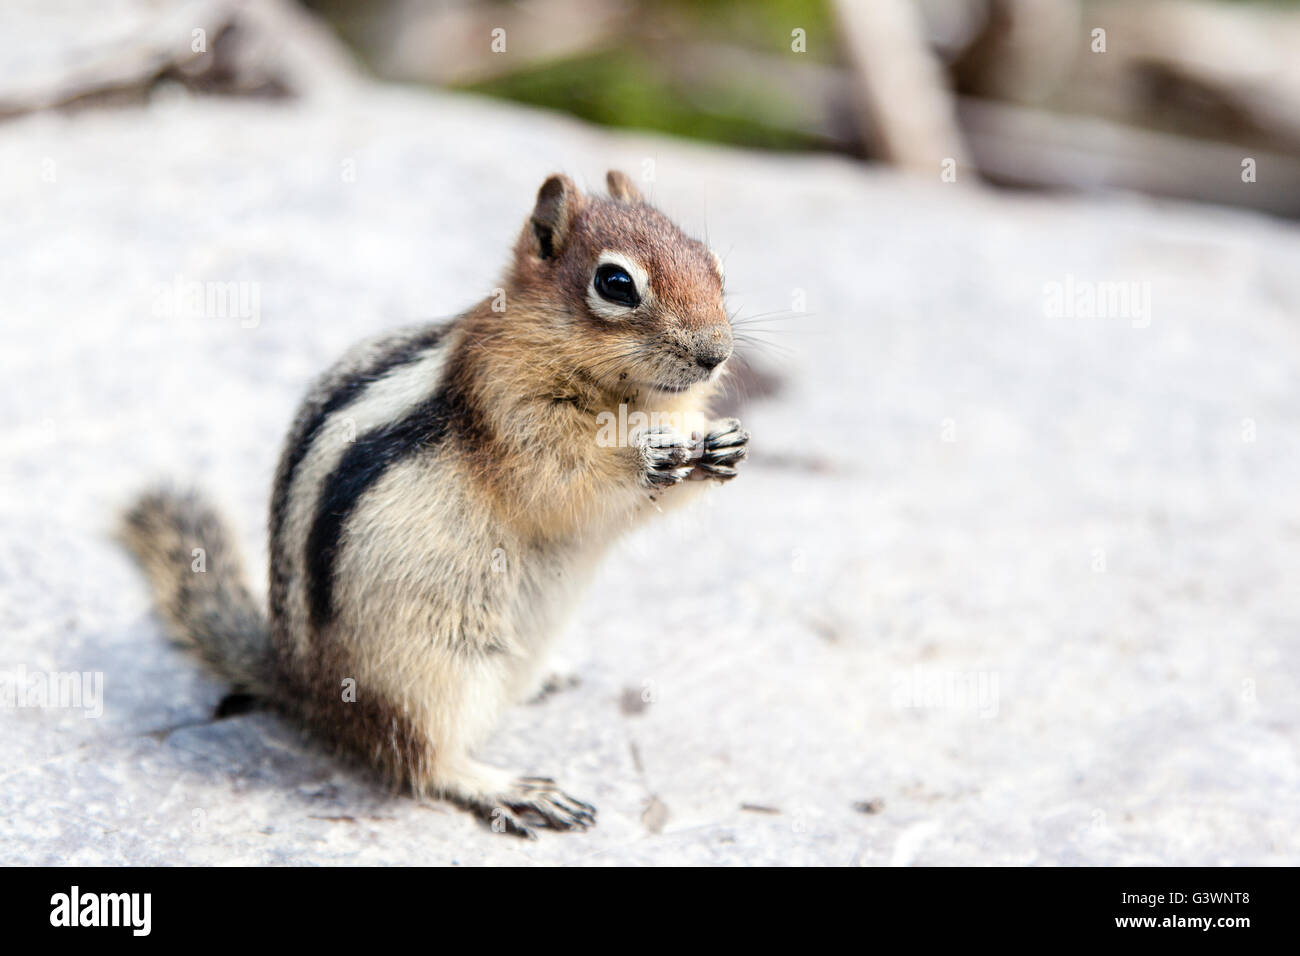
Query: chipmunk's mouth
676,384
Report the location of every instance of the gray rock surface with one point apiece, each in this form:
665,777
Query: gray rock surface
1018,585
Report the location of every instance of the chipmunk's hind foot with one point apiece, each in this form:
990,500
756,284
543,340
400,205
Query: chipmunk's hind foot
515,805
533,802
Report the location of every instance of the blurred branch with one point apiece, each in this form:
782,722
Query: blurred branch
905,109
1210,69
1022,51
1022,146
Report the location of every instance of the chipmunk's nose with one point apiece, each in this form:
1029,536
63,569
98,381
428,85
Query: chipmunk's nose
710,345
713,351
713,358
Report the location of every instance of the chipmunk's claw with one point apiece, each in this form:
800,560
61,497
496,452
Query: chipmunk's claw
535,802
666,456
723,449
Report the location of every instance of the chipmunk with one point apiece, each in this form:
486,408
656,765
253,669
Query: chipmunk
443,496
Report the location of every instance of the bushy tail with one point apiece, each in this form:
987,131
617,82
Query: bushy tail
198,581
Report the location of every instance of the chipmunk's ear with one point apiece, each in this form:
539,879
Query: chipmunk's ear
557,203
621,187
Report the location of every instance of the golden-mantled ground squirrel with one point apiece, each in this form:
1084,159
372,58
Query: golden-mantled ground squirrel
445,492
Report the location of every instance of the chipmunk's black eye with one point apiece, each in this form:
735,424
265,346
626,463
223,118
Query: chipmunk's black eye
615,285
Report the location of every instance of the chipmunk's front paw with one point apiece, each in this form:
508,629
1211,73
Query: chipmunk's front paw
725,445
665,456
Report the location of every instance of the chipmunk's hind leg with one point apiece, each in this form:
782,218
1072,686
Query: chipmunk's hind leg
472,690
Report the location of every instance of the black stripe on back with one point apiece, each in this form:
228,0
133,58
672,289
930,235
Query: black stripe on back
343,394
363,464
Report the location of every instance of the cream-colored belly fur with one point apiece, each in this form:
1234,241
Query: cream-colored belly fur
443,611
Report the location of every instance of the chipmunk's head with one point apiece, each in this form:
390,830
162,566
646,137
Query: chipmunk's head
640,302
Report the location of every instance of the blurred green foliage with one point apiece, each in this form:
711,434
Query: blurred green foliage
630,86
627,89
763,25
